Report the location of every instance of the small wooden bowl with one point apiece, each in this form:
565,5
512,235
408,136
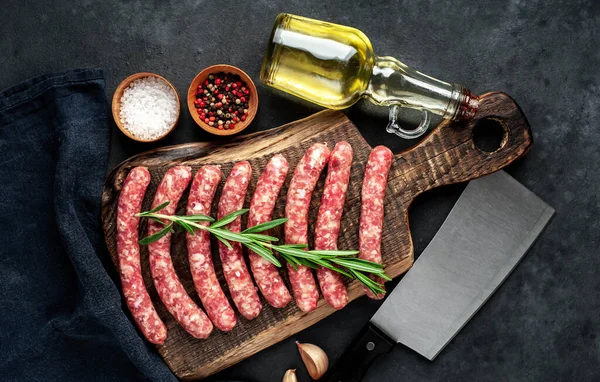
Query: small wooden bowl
116,105
252,102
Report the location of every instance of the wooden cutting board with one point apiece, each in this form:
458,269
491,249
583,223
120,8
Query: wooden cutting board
447,155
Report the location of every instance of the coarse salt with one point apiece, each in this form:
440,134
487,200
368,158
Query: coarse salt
148,108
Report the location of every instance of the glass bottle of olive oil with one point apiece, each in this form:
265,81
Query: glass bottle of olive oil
334,66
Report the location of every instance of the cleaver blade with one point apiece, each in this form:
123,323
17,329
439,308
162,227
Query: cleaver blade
490,228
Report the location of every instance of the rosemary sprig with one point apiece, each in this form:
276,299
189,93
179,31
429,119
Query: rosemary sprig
344,262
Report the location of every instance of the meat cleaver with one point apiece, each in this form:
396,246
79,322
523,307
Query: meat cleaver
491,227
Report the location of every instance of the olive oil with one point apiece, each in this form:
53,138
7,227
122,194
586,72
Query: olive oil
327,64
334,66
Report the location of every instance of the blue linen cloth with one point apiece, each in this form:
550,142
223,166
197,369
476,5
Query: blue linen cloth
62,317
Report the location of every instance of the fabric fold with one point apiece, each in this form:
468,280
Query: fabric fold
63,316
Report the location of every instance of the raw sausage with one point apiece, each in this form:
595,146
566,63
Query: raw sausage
299,193
236,273
371,213
263,201
136,295
202,268
169,288
327,227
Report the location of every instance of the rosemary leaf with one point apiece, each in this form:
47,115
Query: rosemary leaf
158,208
158,220
228,235
291,260
359,266
198,218
293,246
186,226
265,226
264,252
370,284
365,262
228,218
158,235
225,242
326,264
260,237
307,263
298,253
334,252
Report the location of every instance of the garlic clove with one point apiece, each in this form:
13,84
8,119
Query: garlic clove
290,376
314,359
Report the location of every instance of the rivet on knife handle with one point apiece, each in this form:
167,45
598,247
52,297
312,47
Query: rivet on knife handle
355,363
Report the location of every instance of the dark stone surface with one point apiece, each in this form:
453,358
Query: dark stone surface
543,323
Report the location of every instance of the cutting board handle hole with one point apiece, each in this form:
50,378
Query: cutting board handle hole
489,134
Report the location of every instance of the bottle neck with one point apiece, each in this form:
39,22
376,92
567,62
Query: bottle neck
394,83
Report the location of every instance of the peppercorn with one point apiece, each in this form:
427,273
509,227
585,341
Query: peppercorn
222,100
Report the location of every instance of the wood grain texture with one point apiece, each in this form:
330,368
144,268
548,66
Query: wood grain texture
448,155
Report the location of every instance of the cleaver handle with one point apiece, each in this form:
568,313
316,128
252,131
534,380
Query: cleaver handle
353,365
